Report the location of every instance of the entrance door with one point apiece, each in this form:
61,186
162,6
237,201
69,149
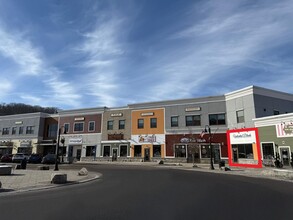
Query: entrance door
78,154
285,156
235,155
146,154
114,154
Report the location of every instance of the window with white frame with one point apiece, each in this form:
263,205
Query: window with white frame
91,126
78,126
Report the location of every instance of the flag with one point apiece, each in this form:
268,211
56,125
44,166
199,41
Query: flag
202,134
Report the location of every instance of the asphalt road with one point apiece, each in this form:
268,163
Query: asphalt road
155,193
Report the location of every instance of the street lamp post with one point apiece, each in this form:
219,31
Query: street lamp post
57,149
62,141
208,129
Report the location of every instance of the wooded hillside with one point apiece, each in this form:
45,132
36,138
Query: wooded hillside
19,108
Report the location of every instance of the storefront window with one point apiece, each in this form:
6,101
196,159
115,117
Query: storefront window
244,150
137,150
267,150
180,151
90,151
123,151
157,151
205,151
106,151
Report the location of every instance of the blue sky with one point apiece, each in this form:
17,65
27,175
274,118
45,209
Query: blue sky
91,53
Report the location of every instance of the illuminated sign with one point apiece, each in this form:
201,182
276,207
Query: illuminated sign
193,109
79,119
116,114
147,114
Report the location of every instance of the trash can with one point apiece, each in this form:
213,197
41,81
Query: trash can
23,164
221,164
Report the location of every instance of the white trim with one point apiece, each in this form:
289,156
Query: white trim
267,142
115,141
272,120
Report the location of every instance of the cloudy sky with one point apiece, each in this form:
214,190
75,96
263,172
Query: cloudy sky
91,53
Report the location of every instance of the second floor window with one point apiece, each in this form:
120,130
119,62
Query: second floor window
217,119
29,130
66,128
174,121
192,120
13,130
153,122
240,116
91,126
78,126
110,125
5,131
52,130
121,124
20,130
140,123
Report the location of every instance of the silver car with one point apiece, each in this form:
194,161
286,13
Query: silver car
19,157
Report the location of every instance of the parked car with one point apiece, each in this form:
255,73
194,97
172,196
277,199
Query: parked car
6,158
19,157
35,158
49,159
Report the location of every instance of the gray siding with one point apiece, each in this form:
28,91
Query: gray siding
245,103
265,106
207,106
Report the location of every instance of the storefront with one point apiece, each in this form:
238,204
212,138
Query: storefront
148,147
193,148
25,146
6,147
115,150
244,148
74,148
276,138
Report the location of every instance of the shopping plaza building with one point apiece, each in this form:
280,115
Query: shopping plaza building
240,127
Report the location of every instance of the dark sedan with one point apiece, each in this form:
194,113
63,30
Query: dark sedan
35,158
7,158
49,159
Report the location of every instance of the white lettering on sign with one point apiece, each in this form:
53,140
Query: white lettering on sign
18,122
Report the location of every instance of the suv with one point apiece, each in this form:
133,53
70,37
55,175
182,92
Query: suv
19,157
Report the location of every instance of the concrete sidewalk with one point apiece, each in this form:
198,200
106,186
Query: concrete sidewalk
27,180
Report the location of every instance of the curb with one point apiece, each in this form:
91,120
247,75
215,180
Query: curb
32,188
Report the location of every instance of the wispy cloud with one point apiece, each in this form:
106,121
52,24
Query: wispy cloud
220,43
103,49
15,47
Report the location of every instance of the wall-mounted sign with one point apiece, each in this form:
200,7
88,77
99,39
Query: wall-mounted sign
284,129
75,141
18,122
147,114
192,140
116,114
79,119
193,109
242,137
